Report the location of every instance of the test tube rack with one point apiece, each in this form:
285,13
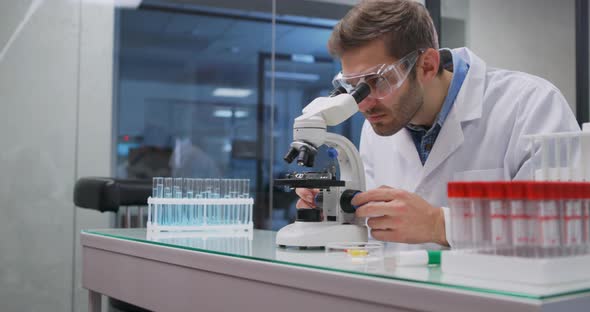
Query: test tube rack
231,242
210,214
528,232
560,156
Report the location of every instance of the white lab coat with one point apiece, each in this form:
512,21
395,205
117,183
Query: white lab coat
482,137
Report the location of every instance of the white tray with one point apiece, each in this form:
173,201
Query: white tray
547,271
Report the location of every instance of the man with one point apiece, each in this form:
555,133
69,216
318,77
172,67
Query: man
432,117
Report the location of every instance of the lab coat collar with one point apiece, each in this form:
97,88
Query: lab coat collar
467,106
468,103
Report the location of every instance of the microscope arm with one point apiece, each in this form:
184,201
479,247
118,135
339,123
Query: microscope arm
351,166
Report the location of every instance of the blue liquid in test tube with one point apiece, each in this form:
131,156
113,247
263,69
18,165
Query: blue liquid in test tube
166,215
157,192
216,208
198,209
187,210
235,207
246,194
207,190
177,209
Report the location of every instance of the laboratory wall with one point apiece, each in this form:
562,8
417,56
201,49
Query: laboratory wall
55,80
534,36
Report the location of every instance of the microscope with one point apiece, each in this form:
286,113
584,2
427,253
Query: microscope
333,219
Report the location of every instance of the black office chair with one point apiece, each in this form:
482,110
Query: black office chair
110,194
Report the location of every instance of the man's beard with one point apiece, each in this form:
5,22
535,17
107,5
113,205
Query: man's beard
408,105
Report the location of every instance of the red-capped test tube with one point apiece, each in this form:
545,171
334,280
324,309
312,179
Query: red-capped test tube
572,218
519,220
456,194
497,208
474,217
586,213
549,195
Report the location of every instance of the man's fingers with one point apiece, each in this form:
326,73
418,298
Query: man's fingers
379,194
377,209
381,235
304,204
382,223
307,195
390,236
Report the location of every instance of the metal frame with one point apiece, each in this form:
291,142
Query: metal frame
434,7
162,278
582,63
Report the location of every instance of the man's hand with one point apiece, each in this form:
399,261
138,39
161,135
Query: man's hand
399,216
306,197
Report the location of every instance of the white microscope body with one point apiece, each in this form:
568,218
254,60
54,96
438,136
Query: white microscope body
310,132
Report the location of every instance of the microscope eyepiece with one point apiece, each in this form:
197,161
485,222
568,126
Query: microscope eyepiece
337,91
360,92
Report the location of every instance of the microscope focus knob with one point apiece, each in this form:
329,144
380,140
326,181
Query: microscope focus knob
318,200
346,199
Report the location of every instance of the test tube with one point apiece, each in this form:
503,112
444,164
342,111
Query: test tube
571,220
166,216
157,192
498,216
455,195
248,206
242,213
177,209
586,212
518,218
198,211
188,189
216,212
208,193
549,197
235,207
473,216
225,186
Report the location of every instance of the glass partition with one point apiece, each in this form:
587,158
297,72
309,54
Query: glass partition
204,91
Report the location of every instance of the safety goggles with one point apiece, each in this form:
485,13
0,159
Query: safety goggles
383,78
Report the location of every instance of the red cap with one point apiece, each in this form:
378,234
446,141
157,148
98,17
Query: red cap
452,189
516,189
535,190
474,189
457,189
585,189
495,190
580,189
571,190
554,190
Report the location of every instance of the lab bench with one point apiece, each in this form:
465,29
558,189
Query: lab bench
249,273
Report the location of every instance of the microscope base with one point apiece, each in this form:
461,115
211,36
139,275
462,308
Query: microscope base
319,234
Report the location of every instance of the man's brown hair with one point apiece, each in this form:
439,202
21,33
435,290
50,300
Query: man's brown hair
404,25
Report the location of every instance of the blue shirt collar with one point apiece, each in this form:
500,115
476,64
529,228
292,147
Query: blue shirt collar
457,65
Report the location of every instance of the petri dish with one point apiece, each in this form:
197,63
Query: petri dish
356,249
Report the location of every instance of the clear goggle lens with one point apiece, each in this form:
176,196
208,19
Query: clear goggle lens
383,79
